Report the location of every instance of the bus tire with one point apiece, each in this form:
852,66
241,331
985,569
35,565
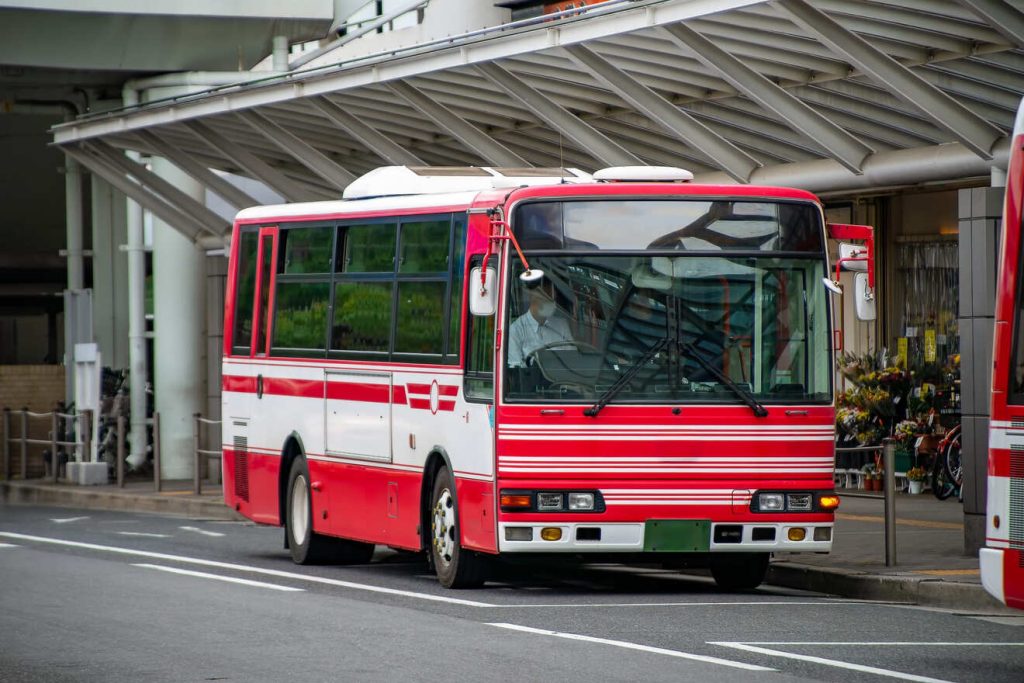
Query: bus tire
306,546
455,566
739,571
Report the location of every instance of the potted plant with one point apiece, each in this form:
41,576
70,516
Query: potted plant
916,475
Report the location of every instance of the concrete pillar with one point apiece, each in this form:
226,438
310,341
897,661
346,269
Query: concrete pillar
75,222
179,317
109,274
979,217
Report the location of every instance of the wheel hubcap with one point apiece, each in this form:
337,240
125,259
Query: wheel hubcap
443,527
300,510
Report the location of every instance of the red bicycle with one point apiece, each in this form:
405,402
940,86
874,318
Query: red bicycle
947,470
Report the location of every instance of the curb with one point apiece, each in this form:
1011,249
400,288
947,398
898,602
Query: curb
214,509
916,590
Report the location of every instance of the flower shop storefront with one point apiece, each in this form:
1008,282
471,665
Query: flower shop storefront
901,379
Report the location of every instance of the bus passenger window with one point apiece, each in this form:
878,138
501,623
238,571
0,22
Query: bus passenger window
245,290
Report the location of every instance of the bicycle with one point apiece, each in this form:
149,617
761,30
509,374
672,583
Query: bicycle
947,470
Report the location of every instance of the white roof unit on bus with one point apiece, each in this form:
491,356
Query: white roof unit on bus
643,174
404,180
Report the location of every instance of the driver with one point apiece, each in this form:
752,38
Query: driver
537,328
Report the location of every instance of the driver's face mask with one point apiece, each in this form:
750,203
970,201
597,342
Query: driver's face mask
546,308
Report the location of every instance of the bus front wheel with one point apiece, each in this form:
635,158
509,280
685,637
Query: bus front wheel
739,571
455,566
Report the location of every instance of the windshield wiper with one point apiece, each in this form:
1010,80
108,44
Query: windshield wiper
744,395
626,377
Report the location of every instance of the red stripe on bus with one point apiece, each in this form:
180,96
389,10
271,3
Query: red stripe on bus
245,385
359,391
399,395
442,389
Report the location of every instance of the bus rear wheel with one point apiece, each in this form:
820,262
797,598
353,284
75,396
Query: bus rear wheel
306,546
455,566
739,571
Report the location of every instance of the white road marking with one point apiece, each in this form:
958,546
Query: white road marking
65,520
832,662
245,568
142,533
780,603
634,646
888,643
200,531
218,577
7,545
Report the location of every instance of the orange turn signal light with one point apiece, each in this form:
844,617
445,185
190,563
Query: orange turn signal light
516,500
828,502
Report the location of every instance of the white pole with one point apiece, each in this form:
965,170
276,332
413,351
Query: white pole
75,223
138,370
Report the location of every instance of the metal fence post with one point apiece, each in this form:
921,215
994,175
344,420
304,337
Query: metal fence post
120,451
889,463
196,483
87,453
24,443
7,443
156,452
54,426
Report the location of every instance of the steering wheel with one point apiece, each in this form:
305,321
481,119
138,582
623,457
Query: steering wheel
533,359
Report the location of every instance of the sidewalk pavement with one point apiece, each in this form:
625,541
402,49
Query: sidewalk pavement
931,568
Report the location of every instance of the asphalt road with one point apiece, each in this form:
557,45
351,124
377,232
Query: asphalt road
104,596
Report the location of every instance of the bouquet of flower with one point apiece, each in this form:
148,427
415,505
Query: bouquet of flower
916,474
905,432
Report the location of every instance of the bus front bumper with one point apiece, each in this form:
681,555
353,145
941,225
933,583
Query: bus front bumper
664,536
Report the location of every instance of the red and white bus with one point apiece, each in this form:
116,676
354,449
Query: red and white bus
1002,560
476,362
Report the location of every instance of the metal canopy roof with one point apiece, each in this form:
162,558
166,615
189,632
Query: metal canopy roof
821,94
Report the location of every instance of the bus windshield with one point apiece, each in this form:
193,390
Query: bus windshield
669,326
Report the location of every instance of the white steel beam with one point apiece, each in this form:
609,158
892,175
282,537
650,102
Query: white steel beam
846,148
386,66
228,192
973,131
309,156
249,162
214,224
488,148
373,140
1001,16
598,145
183,223
734,161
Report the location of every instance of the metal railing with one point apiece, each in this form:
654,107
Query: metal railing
198,422
888,463
84,418
119,468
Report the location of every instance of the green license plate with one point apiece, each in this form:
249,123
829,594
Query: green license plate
677,536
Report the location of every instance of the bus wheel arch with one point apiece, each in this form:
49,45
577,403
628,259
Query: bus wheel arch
292,449
436,461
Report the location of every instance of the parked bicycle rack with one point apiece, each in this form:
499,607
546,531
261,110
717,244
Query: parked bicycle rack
199,420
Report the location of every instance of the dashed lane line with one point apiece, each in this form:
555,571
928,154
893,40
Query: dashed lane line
197,530
245,568
66,520
758,649
143,534
218,577
634,646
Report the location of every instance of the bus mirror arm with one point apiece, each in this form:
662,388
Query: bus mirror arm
843,231
501,230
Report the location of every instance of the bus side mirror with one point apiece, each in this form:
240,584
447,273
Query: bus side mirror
864,297
483,296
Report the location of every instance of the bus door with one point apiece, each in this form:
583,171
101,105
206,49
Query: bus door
253,301
357,414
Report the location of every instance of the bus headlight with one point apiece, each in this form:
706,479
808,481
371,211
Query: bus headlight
771,502
581,501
